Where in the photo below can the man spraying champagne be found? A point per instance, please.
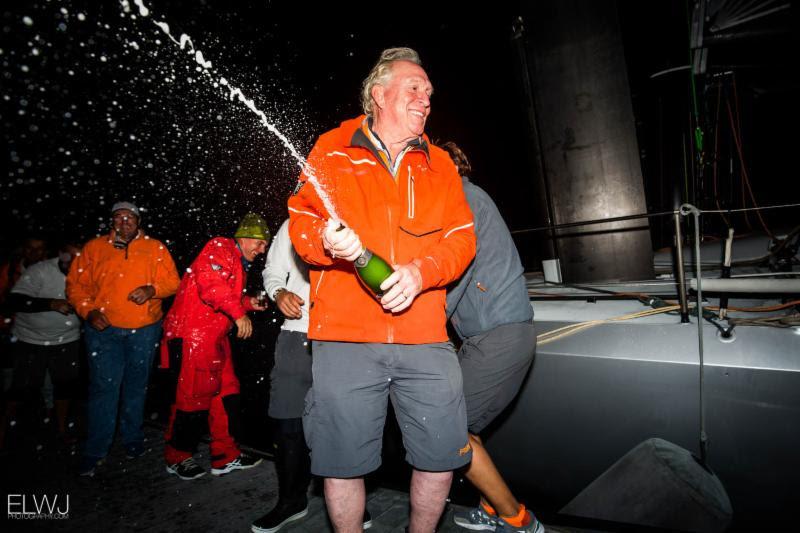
(403, 201)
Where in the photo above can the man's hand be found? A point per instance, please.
(289, 303)
(60, 306)
(141, 294)
(341, 241)
(257, 306)
(403, 286)
(97, 320)
(244, 326)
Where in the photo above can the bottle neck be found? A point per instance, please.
(363, 259)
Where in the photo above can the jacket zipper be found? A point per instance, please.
(411, 199)
(389, 326)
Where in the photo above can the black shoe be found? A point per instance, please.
(243, 462)
(186, 469)
(279, 517)
(367, 519)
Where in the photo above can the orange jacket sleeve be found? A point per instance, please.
(166, 276)
(80, 287)
(308, 215)
(445, 261)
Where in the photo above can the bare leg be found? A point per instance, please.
(429, 492)
(482, 473)
(346, 499)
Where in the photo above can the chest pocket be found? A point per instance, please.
(419, 232)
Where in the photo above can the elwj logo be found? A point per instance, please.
(37, 507)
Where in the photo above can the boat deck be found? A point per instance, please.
(138, 495)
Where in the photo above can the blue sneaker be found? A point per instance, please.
(534, 526)
(476, 519)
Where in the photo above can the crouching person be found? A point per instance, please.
(197, 351)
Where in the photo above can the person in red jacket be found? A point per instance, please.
(196, 350)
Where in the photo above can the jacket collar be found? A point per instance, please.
(364, 137)
(112, 235)
(245, 263)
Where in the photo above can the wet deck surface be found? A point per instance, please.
(138, 495)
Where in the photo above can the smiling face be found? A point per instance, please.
(403, 104)
(251, 248)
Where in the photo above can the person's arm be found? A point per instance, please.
(477, 202)
(23, 297)
(80, 287)
(166, 278)
(212, 269)
(278, 264)
(22, 303)
(444, 261)
(457, 291)
(307, 213)
(441, 262)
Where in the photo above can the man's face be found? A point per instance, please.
(125, 223)
(33, 251)
(252, 248)
(405, 101)
(67, 255)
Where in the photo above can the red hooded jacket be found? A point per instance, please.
(210, 296)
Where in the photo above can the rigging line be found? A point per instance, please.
(744, 209)
(686, 210)
(645, 215)
(736, 22)
(747, 9)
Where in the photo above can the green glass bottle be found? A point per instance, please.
(373, 270)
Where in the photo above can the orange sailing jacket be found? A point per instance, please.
(419, 213)
(102, 276)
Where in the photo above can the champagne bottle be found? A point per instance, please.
(373, 270)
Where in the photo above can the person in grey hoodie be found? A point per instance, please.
(490, 310)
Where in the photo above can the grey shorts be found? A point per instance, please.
(290, 378)
(346, 406)
(494, 365)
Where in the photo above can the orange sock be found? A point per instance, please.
(488, 508)
(522, 518)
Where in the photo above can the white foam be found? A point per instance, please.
(185, 41)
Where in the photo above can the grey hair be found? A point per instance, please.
(381, 73)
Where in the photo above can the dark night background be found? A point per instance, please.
(99, 106)
(94, 109)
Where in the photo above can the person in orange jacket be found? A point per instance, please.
(376, 182)
(197, 351)
(116, 285)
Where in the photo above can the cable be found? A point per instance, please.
(571, 329)
(767, 309)
(787, 321)
(738, 143)
(716, 154)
